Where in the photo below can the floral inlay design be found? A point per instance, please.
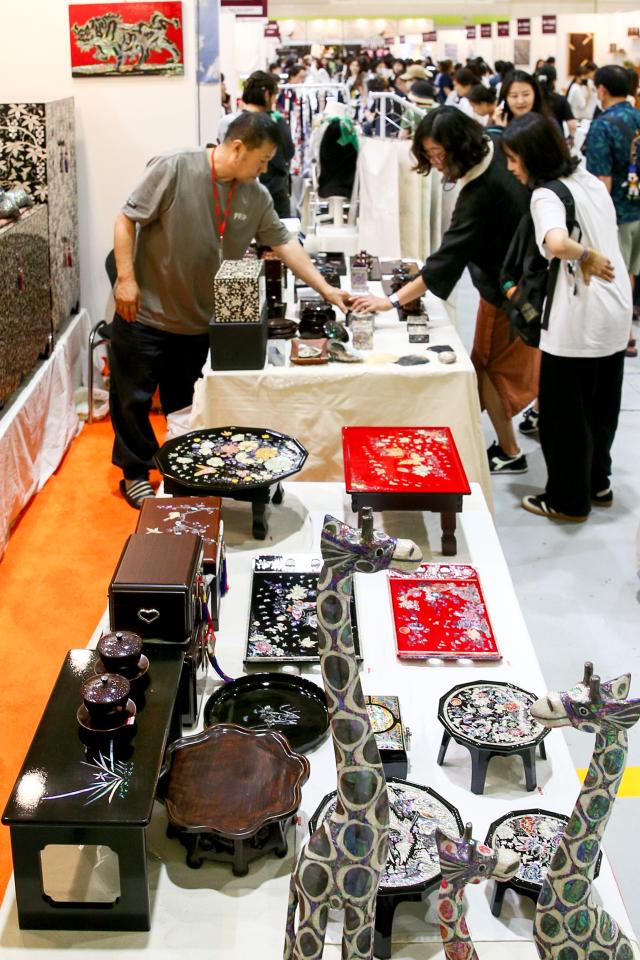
(492, 714)
(402, 460)
(533, 835)
(414, 814)
(283, 624)
(440, 612)
(231, 458)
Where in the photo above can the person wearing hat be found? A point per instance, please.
(422, 93)
(415, 72)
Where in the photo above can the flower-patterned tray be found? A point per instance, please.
(439, 611)
(230, 459)
(402, 460)
(534, 835)
(415, 812)
(283, 626)
(492, 715)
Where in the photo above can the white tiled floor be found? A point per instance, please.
(579, 589)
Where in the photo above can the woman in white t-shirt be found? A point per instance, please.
(583, 346)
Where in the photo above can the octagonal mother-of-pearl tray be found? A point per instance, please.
(230, 458)
(415, 812)
(490, 714)
(534, 835)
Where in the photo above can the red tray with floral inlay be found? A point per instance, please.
(402, 460)
(439, 611)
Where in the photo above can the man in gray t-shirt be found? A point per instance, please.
(191, 209)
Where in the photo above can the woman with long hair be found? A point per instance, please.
(584, 343)
(520, 93)
(488, 209)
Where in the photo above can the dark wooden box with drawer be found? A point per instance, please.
(180, 515)
(154, 589)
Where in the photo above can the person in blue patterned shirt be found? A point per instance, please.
(608, 154)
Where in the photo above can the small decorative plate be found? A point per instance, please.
(491, 714)
(230, 458)
(128, 719)
(293, 706)
(415, 812)
(535, 835)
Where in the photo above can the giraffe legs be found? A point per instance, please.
(312, 928)
(357, 931)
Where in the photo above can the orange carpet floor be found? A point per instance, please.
(53, 589)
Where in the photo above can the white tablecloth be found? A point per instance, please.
(38, 427)
(313, 403)
(209, 914)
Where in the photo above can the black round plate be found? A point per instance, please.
(291, 705)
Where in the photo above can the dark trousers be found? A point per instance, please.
(282, 203)
(143, 358)
(579, 407)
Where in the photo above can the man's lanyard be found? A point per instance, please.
(220, 223)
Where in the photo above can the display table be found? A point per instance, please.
(210, 914)
(313, 403)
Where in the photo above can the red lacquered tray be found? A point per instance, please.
(439, 611)
(402, 460)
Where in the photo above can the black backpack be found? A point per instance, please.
(528, 279)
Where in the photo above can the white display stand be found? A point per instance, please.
(37, 428)
(209, 914)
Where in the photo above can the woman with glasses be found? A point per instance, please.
(487, 213)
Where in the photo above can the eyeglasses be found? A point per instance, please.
(435, 154)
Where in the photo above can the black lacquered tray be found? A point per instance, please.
(230, 459)
(293, 706)
(491, 714)
(283, 623)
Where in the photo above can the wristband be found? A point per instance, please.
(394, 300)
(583, 256)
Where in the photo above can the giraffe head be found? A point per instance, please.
(364, 549)
(464, 860)
(589, 705)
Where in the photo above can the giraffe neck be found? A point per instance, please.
(454, 932)
(347, 703)
(582, 837)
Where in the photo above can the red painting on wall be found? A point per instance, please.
(124, 39)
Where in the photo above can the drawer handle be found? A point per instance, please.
(148, 616)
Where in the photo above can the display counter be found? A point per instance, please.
(209, 913)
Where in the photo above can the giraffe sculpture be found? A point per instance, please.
(341, 863)
(568, 924)
(462, 861)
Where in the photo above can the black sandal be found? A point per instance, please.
(137, 492)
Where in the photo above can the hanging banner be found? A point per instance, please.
(524, 27)
(272, 29)
(503, 28)
(485, 31)
(402, 39)
(430, 37)
(245, 8)
(549, 22)
(208, 41)
(471, 33)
